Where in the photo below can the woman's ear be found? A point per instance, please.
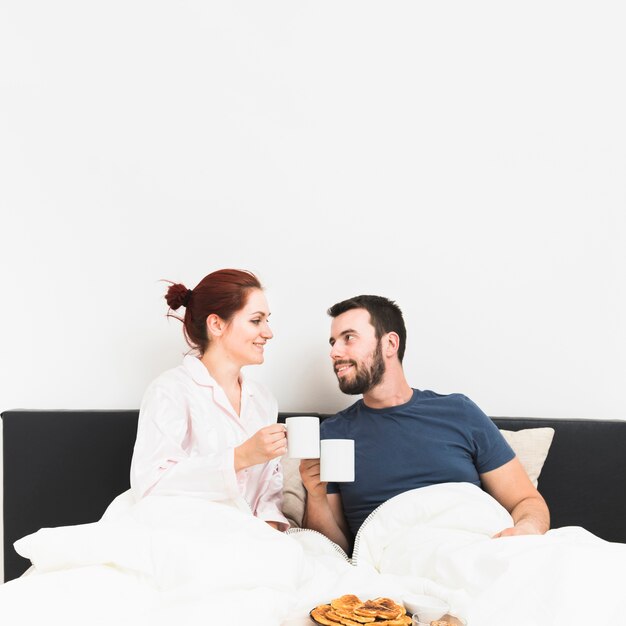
(215, 325)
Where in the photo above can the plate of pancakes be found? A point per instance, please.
(350, 610)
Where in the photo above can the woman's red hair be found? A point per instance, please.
(223, 292)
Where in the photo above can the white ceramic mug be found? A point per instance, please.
(303, 437)
(337, 460)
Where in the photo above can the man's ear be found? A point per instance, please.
(215, 325)
(391, 344)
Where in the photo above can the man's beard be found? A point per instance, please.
(364, 378)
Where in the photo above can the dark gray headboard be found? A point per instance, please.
(65, 467)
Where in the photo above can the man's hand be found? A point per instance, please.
(523, 527)
(310, 474)
(323, 513)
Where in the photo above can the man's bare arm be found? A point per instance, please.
(323, 512)
(511, 487)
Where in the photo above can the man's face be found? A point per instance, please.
(355, 351)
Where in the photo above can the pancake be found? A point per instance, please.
(385, 611)
(346, 603)
(332, 614)
(391, 605)
(319, 614)
(405, 620)
(354, 616)
(350, 610)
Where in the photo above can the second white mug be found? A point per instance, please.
(337, 460)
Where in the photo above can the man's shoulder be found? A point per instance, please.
(457, 404)
(430, 394)
(452, 398)
(341, 416)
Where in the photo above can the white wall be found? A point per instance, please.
(464, 158)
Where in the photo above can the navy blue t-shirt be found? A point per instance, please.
(431, 439)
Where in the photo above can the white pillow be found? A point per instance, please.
(293, 492)
(531, 446)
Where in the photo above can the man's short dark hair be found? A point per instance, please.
(385, 316)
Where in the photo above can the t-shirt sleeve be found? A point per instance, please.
(491, 449)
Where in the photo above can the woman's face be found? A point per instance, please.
(248, 331)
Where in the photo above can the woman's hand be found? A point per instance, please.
(266, 444)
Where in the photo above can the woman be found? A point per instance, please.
(204, 429)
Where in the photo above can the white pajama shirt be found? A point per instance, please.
(186, 437)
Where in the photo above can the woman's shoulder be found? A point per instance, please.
(170, 381)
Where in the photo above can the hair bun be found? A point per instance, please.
(177, 295)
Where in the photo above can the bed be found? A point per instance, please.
(64, 468)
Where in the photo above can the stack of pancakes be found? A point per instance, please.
(350, 610)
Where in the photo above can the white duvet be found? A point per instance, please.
(183, 560)
(443, 534)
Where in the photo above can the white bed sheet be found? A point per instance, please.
(180, 559)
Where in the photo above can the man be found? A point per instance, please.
(405, 438)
